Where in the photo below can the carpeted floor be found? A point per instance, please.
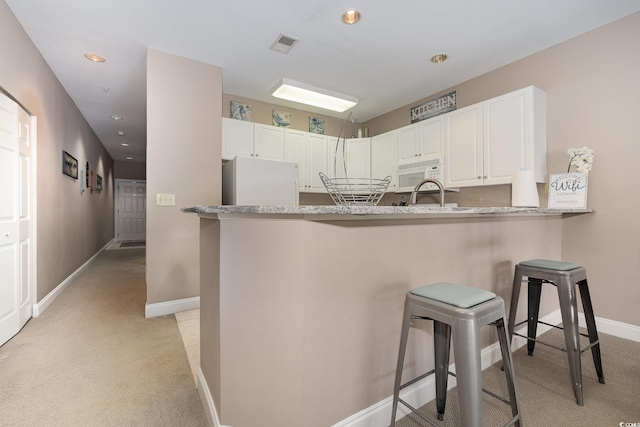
(92, 359)
(545, 392)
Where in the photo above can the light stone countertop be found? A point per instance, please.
(333, 212)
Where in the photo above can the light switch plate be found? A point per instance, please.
(165, 199)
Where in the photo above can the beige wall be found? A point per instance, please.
(262, 112)
(592, 88)
(130, 170)
(184, 140)
(592, 99)
(326, 302)
(72, 227)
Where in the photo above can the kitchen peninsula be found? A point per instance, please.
(301, 306)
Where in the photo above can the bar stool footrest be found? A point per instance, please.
(596, 342)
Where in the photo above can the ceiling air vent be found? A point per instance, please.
(284, 44)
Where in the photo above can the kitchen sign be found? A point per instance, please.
(435, 107)
(568, 190)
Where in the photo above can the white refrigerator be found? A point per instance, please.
(249, 181)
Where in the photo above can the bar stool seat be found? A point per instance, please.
(460, 311)
(563, 275)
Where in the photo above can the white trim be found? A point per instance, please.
(423, 391)
(613, 327)
(171, 307)
(44, 303)
(207, 401)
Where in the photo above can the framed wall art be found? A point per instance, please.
(98, 183)
(240, 111)
(69, 165)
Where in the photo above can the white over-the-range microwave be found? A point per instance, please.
(409, 175)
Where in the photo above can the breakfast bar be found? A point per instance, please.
(301, 306)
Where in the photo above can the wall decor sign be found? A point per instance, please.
(69, 165)
(240, 111)
(435, 107)
(316, 125)
(281, 118)
(568, 190)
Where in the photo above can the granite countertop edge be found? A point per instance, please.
(409, 211)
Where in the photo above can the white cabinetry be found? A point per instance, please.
(357, 152)
(268, 142)
(309, 150)
(421, 141)
(246, 139)
(383, 156)
(486, 143)
(237, 138)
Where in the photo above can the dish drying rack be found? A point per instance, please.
(352, 191)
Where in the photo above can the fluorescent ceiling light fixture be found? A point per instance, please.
(306, 94)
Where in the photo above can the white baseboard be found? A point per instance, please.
(171, 307)
(207, 401)
(44, 303)
(613, 327)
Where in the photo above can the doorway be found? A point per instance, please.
(17, 217)
(131, 210)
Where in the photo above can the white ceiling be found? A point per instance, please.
(383, 60)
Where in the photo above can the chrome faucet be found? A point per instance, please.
(414, 193)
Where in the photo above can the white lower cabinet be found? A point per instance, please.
(309, 150)
(486, 143)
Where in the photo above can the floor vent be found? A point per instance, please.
(284, 44)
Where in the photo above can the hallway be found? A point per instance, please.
(92, 359)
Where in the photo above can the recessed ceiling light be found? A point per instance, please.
(121, 133)
(114, 117)
(351, 16)
(106, 89)
(441, 57)
(94, 57)
(129, 158)
(124, 144)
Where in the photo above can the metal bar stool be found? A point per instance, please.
(564, 275)
(459, 311)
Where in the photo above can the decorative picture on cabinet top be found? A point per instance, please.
(240, 111)
(316, 125)
(281, 118)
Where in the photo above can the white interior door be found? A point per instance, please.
(16, 219)
(132, 210)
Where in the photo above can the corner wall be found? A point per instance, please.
(184, 140)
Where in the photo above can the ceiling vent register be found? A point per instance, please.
(284, 44)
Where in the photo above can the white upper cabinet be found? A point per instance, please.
(383, 156)
(421, 141)
(463, 147)
(310, 152)
(486, 143)
(246, 139)
(237, 138)
(432, 137)
(268, 142)
(356, 152)
(515, 135)
(409, 144)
